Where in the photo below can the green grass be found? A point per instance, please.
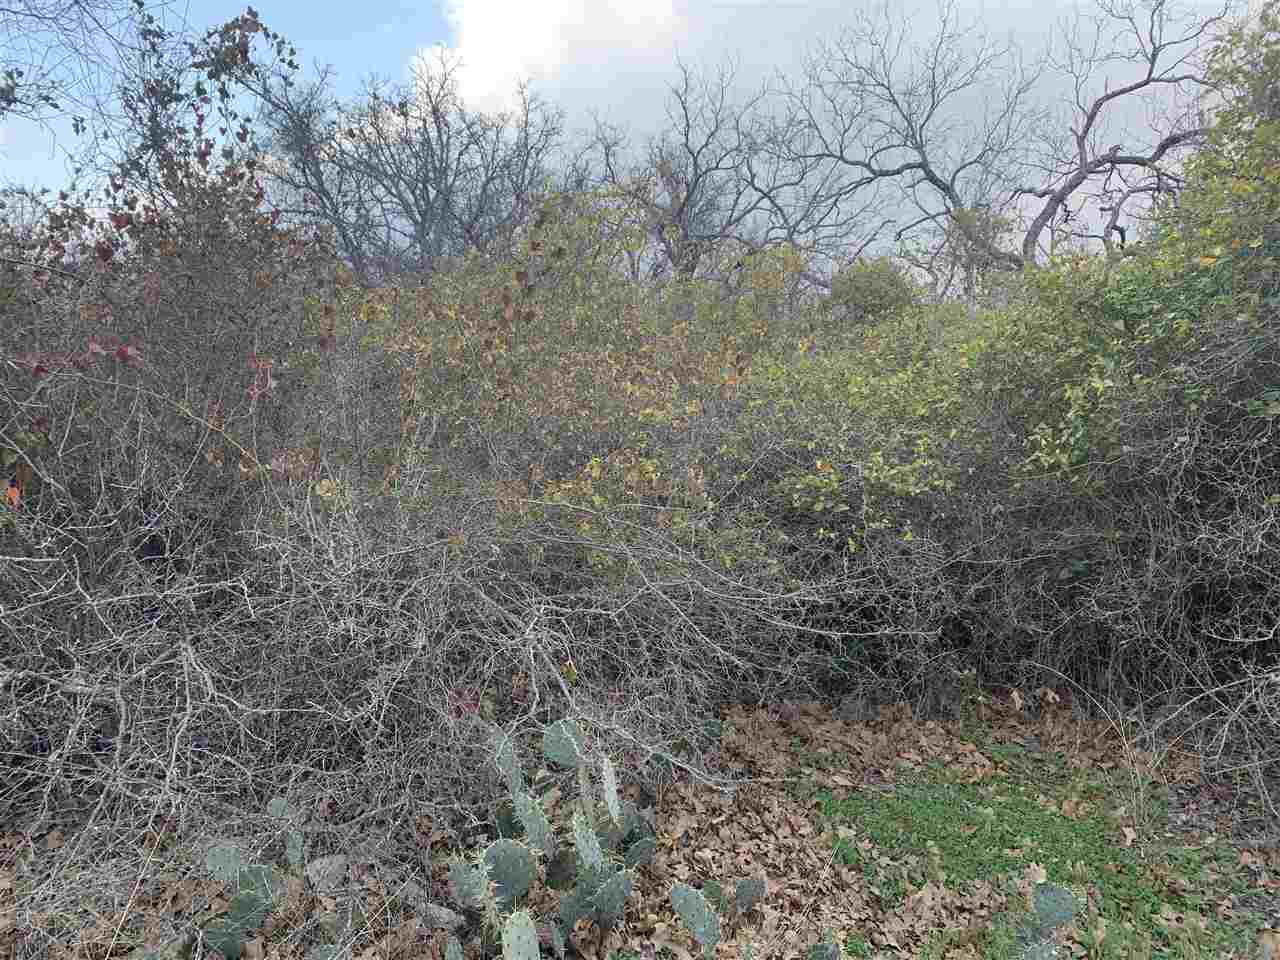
(1153, 898)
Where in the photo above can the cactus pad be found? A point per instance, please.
(823, 951)
(520, 937)
(511, 867)
(505, 759)
(611, 900)
(609, 787)
(697, 915)
(748, 892)
(469, 885)
(537, 828)
(641, 852)
(575, 905)
(587, 844)
(563, 743)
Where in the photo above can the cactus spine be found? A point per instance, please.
(519, 937)
(511, 867)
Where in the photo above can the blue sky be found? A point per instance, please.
(381, 36)
(375, 35)
(614, 57)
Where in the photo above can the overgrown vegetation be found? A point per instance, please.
(271, 533)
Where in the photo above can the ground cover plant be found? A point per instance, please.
(544, 608)
(1006, 831)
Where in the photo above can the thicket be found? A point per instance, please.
(267, 525)
(870, 290)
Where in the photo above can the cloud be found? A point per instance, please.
(501, 43)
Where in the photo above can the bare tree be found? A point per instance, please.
(408, 175)
(1159, 52)
(58, 55)
(70, 59)
(961, 259)
(706, 183)
(171, 102)
(959, 121)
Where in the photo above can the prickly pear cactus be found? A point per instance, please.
(470, 886)
(281, 810)
(826, 950)
(563, 744)
(587, 845)
(504, 756)
(586, 793)
(641, 852)
(519, 937)
(716, 896)
(612, 832)
(609, 786)
(693, 909)
(257, 889)
(562, 869)
(557, 941)
(576, 904)
(537, 828)
(610, 900)
(229, 932)
(600, 889)
(511, 867)
(225, 861)
(1054, 907)
(748, 892)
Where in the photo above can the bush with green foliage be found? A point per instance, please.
(867, 291)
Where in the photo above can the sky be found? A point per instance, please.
(616, 57)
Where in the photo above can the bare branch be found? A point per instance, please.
(711, 181)
(1166, 47)
(959, 121)
(408, 175)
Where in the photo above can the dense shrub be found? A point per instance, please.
(533, 488)
(866, 291)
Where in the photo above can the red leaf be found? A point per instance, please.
(37, 363)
